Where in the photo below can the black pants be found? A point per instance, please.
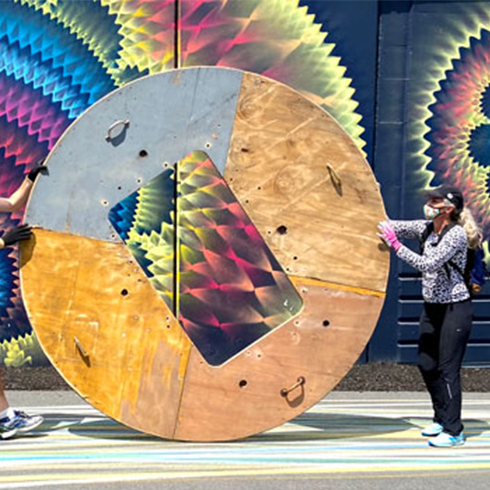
(444, 333)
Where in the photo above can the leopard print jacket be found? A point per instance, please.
(439, 284)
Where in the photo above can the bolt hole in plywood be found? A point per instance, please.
(143, 153)
(326, 323)
(124, 292)
(243, 383)
(195, 259)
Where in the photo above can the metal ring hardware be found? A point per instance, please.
(285, 391)
(114, 125)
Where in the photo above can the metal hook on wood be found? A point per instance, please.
(336, 180)
(82, 352)
(113, 126)
(285, 391)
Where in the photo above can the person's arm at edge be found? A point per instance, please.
(20, 196)
(17, 199)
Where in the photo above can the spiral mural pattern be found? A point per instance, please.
(459, 132)
(449, 121)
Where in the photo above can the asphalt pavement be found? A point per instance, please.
(350, 440)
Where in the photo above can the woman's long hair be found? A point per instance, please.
(473, 231)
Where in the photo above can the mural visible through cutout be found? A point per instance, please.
(209, 264)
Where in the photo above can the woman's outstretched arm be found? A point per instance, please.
(17, 199)
(409, 229)
(20, 196)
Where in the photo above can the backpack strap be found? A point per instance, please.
(425, 234)
(461, 272)
(449, 263)
(444, 231)
(429, 229)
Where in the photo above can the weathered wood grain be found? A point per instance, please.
(137, 353)
(285, 156)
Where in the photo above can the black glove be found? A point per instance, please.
(22, 232)
(39, 168)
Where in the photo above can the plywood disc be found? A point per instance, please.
(205, 263)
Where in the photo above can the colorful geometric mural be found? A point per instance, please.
(229, 290)
(145, 221)
(58, 57)
(276, 38)
(450, 112)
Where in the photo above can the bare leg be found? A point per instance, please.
(4, 404)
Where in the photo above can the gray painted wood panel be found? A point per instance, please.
(169, 114)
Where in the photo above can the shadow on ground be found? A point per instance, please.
(328, 427)
(97, 427)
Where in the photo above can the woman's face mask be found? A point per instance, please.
(430, 213)
(437, 206)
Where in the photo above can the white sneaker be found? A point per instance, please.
(447, 440)
(20, 422)
(432, 430)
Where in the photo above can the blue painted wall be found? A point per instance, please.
(432, 85)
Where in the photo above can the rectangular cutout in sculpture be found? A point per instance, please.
(231, 291)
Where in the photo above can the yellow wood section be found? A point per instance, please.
(243, 397)
(132, 354)
(306, 187)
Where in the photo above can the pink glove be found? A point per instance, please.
(388, 235)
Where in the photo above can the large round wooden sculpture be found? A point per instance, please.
(205, 263)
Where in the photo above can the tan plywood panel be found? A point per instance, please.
(306, 186)
(244, 397)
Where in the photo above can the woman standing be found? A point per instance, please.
(13, 421)
(445, 324)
